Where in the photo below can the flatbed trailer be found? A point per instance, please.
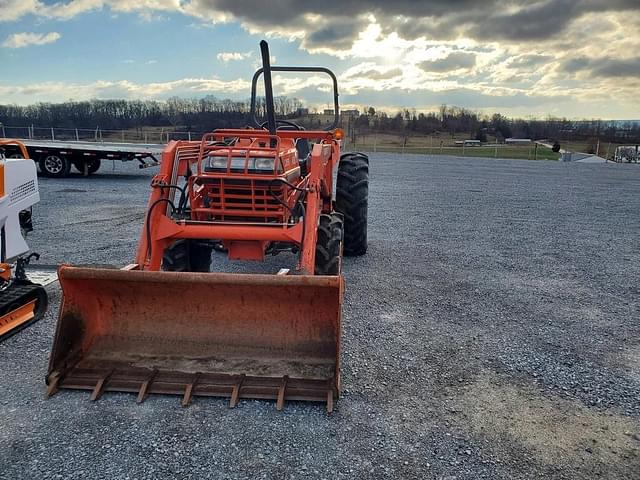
(55, 158)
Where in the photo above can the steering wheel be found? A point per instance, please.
(283, 122)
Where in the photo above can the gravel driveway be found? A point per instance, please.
(492, 331)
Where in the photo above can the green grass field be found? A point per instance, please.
(445, 145)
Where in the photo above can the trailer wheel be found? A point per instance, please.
(54, 166)
(329, 245)
(187, 256)
(352, 197)
(92, 165)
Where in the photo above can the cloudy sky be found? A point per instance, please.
(577, 58)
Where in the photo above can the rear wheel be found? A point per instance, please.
(329, 245)
(352, 198)
(54, 166)
(187, 256)
(92, 165)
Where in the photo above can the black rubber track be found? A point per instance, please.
(352, 197)
(187, 256)
(329, 245)
(18, 295)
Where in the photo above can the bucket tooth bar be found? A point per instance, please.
(143, 381)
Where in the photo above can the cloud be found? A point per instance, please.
(12, 10)
(528, 61)
(453, 61)
(102, 89)
(616, 67)
(575, 64)
(604, 67)
(232, 56)
(21, 40)
(471, 98)
(380, 75)
(335, 23)
(529, 49)
(538, 20)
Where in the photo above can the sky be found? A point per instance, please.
(574, 59)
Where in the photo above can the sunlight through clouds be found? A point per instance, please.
(583, 51)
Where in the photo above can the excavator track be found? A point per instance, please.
(21, 305)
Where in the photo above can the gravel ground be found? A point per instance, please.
(490, 332)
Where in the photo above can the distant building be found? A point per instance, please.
(517, 141)
(469, 143)
(329, 111)
(353, 113)
(301, 112)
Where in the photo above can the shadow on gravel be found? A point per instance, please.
(548, 434)
(95, 178)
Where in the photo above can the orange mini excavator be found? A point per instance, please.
(169, 325)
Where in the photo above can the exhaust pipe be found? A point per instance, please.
(268, 89)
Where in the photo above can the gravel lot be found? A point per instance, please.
(492, 331)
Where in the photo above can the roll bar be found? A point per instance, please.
(267, 69)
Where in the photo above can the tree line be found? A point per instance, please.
(208, 113)
(453, 120)
(187, 114)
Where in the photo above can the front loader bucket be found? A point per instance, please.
(206, 334)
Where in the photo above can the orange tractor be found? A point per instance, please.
(166, 324)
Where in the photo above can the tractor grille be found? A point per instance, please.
(245, 199)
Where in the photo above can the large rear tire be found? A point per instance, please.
(329, 245)
(352, 199)
(187, 256)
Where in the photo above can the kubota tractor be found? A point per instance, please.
(166, 324)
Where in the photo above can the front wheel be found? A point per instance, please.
(187, 256)
(329, 245)
(54, 166)
(352, 199)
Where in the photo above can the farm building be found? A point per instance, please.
(517, 141)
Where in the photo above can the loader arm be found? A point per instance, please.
(169, 324)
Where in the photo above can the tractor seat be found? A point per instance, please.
(304, 150)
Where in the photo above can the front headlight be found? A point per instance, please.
(237, 163)
(264, 163)
(218, 163)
